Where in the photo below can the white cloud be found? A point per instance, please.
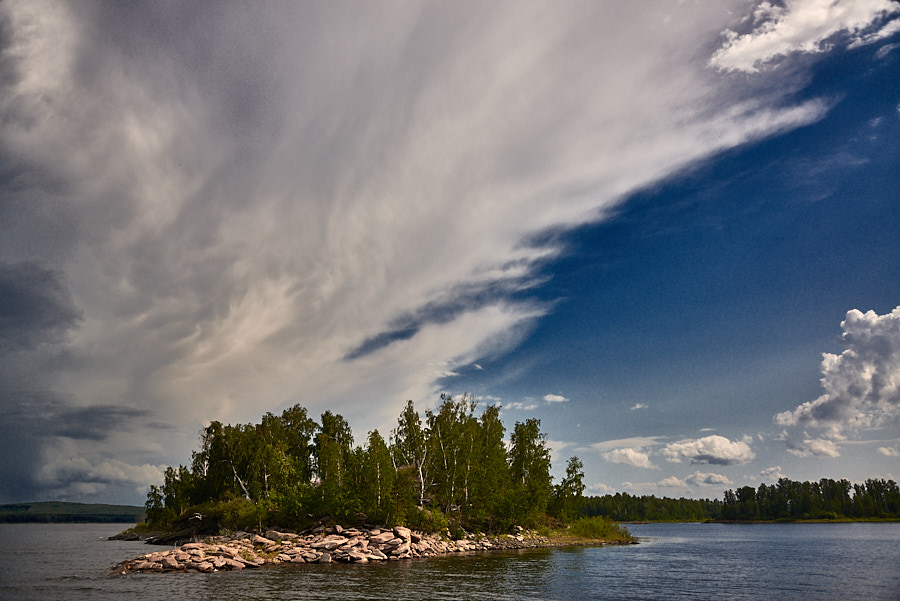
(772, 474)
(634, 442)
(601, 489)
(516, 406)
(671, 482)
(889, 451)
(862, 384)
(637, 406)
(814, 447)
(802, 26)
(555, 398)
(702, 479)
(885, 50)
(632, 457)
(716, 450)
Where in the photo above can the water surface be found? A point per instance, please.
(818, 562)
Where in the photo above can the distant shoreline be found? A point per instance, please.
(60, 512)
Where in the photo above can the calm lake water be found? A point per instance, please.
(674, 561)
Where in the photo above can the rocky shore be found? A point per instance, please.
(352, 545)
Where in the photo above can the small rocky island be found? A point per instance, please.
(333, 544)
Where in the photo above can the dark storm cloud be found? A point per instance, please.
(36, 306)
(47, 414)
(33, 421)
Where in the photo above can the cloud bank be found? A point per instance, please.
(213, 214)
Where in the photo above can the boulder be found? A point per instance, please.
(332, 541)
(189, 546)
(381, 538)
(276, 535)
(205, 566)
(401, 532)
(262, 540)
(324, 558)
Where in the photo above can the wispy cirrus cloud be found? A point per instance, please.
(324, 204)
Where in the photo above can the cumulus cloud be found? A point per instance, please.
(555, 398)
(805, 26)
(862, 384)
(814, 447)
(772, 474)
(601, 489)
(716, 450)
(632, 457)
(517, 406)
(702, 479)
(889, 451)
(637, 406)
(671, 482)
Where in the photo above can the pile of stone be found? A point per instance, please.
(351, 545)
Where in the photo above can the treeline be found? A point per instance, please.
(622, 507)
(448, 468)
(786, 500)
(825, 499)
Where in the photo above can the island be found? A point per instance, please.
(293, 489)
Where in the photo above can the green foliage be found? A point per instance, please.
(624, 507)
(598, 528)
(826, 499)
(567, 498)
(451, 469)
(237, 514)
(786, 500)
(428, 520)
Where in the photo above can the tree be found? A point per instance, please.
(409, 445)
(568, 493)
(377, 478)
(452, 434)
(334, 445)
(529, 462)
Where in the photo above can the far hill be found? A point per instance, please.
(60, 512)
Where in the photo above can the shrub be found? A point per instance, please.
(599, 528)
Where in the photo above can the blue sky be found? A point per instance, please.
(668, 231)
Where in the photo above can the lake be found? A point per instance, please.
(674, 561)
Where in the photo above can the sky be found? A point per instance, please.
(666, 229)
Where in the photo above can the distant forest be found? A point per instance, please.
(786, 501)
(450, 468)
(61, 512)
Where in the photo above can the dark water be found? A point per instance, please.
(785, 562)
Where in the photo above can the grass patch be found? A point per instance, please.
(597, 528)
